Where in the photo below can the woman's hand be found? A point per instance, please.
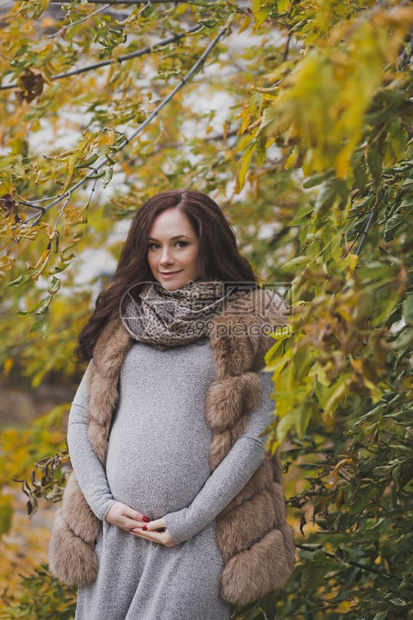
(126, 518)
(150, 533)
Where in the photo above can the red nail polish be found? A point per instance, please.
(144, 527)
(145, 519)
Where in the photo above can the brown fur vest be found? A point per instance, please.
(252, 533)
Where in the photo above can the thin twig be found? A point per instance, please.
(62, 210)
(105, 63)
(177, 145)
(287, 46)
(16, 240)
(37, 218)
(349, 561)
(64, 29)
(197, 2)
(22, 202)
(406, 58)
(201, 3)
(364, 231)
(359, 213)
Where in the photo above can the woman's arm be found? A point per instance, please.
(231, 475)
(88, 469)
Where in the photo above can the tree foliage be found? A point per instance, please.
(104, 106)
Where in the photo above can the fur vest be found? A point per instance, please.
(252, 533)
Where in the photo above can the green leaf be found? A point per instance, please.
(331, 189)
(43, 307)
(245, 162)
(6, 513)
(316, 179)
(394, 222)
(260, 9)
(314, 573)
(108, 176)
(20, 280)
(282, 5)
(54, 285)
(361, 501)
(303, 420)
(408, 309)
(301, 216)
(294, 262)
(88, 162)
(374, 162)
(398, 602)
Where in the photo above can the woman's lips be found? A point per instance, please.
(169, 274)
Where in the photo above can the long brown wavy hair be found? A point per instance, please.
(218, 256)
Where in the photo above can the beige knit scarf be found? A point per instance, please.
(163, 318)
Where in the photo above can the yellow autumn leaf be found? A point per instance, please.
(47, 22)
(7, 366)
(245, 162)
(245, 23)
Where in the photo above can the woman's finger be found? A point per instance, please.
(153, 536)
(155, 525)
(152, 532)
(134, 514)
(133, 523)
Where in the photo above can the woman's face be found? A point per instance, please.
(173, 248)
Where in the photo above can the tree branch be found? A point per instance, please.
(350, 561)
(204, 3)
(105, 63)
(64, 29)
(364, 231)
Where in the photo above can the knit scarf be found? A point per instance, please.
(153, 314)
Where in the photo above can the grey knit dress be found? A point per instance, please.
(157, 463)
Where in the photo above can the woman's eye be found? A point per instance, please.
(153, 244)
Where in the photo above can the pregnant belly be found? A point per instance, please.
(154, 475)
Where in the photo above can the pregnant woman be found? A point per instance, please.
(173, 510)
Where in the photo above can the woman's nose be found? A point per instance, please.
(165, 257)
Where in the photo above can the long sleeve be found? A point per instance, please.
(230, 476)
(88, 469)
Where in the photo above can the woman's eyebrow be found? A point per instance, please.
(172, 238)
